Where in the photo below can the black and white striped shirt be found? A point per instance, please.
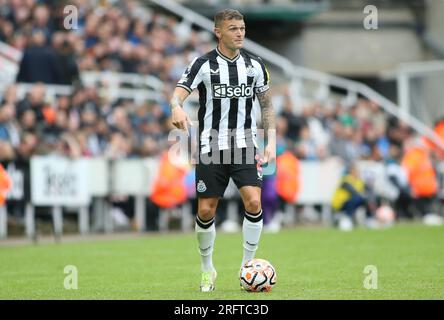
(227, 89)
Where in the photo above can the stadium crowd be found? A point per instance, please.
(111, 39)
(131, 40)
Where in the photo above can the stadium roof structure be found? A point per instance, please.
(298, 11)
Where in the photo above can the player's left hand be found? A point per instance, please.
(269, 154)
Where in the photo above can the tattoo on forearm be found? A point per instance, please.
(175, 102)
(268, 116)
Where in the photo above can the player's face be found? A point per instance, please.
(231, 34)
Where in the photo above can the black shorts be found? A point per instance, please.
(214, 170)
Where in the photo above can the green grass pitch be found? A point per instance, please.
(311, 263)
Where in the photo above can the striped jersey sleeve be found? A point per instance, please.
(263, 79)
(191, 78)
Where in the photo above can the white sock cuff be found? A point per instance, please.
(204, 224)
(210, 228)
(253, 217)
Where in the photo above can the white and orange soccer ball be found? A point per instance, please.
(385, 215)
(257, 275)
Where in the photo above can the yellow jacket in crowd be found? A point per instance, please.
(344, 192)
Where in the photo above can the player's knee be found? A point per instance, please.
(206, 213)
(253, 205)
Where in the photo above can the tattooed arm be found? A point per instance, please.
(179, 117)
(269, 125)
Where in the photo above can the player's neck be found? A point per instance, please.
(228, 52)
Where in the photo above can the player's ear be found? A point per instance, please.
(217, 32)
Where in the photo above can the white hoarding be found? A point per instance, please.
(58, 181)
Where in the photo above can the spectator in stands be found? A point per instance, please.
(35, 101)
(399, 189)
(93, 124)
(376, 143)
(120, 120)
(70, 72)
(128, 61)
(119, 146)
(313, 113)
(295, 123)
(40, 62)
(169, 189)
(137, 33)
(349, 196)
(27, 146)
(6, 151)
(269, 196)
(421, 175)
(53, 131)
(439, 131)
(339, 141)
(10, 95)
(397, 131)
(376, 117)
(356, 149)
(100, 136)
(19, 41)
(42, 21)
(68, 146)
(306, 147)
(9, 128)
(18, 13)
(5, 185)
(6, 30)
(28, 121)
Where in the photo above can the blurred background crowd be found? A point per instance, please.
(128, 39)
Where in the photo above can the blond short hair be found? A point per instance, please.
(227, 14)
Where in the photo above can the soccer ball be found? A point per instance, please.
(257, 275)
(385, 215)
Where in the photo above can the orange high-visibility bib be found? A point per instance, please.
(420, 171)
(439, 130)
(287, 176)
(169, 188)
(5, 185)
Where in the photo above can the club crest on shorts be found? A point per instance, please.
(259, 171)
(259, 175)
(201, 187)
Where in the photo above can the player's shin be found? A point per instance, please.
(206, 235)
(252, 229)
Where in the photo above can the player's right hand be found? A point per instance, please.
(180, 119)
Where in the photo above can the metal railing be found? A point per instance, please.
(145, 87)
(407, 70)
(294, 72)
(53, 90)
(119, 78)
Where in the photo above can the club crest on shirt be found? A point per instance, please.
(251, 72)
(201, 187)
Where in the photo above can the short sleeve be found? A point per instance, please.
(263, 79)
(192, 76)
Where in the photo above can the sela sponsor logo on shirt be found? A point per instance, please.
(201, 187)
(224, 91)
